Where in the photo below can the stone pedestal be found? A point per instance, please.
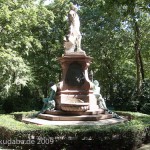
(75, 86)
(74, 99)
(74, 96)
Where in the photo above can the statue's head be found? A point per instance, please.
(96, 83)
(73, 7)
(51, 84)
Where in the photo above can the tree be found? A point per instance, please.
(115, 33)
(135, 12)
(20, 43)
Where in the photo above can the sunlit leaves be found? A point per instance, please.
(24, 29)
(14, 71)
(108, 36)
(33, 33)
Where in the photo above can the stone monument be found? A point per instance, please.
(75, 98)
(75, 88)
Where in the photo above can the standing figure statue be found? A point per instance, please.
(73, 39)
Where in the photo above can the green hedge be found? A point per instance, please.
(146, 108)
(124, 136)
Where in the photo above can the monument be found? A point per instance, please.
(74, 98)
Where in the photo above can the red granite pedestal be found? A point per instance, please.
(75, 100)
(89, 115)
(68, 91)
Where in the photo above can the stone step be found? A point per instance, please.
(38, 121)
(75, 118)
(79, 113)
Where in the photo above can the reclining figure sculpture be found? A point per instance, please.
(49, 102)
(101, 101)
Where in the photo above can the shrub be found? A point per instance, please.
(132, 106)
(146, 108)
(127, 135)
(125, 96)
(17, 103)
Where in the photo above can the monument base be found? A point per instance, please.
(56, 115)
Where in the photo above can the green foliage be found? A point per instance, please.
(45, 63)
(32, 39)
(109, 37)
(142, 118)
(127, 135)
(26, 30)
(15, 103)
(23, 101)
(14, 72)
(145, 96)
(146, 108)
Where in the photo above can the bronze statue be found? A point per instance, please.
(101, 101)
(49, 102)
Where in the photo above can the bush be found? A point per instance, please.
(18, 103)
(132, 106)
(125, 96)
(146, 108)
(129, 135)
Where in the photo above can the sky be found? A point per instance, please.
(48, 2)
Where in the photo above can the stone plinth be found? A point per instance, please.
(75, 107)
(75, 118)
(75, 113)
(75, 82)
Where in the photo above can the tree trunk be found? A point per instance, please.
(139, 63)
(142, 68)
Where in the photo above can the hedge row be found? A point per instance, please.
(124, 136)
